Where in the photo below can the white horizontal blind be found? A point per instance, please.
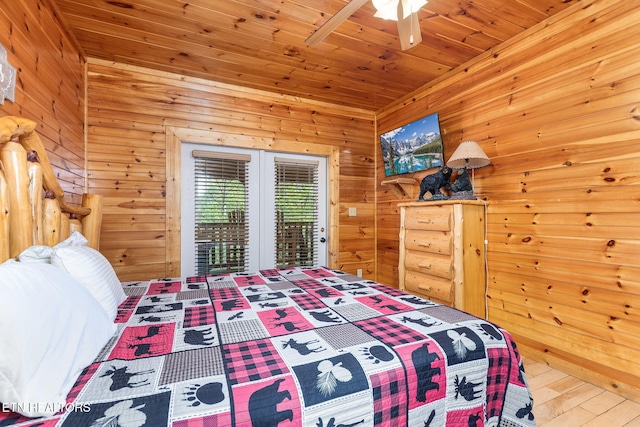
(296, 213)
(221, 212)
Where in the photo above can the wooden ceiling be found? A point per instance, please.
(260, 44)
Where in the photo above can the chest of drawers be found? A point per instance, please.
(442, 253)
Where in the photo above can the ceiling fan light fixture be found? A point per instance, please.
(388, 9)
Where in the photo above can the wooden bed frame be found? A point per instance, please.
(33, 210)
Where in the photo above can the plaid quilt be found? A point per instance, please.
(309, 347)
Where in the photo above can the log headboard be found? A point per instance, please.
(33, 209)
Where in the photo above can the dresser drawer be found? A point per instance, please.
(428, 218)
(433, 242)
(429, 287)
(442, 250)
(430, 264)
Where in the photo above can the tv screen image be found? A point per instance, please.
(414, 147)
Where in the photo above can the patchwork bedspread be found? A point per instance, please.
(295, 347)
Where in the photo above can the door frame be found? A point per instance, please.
(175, 136)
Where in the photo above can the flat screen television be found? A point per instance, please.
(414, 147)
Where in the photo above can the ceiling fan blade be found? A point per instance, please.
(333, 22)
(408, 28)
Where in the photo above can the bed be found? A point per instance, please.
(302, 346)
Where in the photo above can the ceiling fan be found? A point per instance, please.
(403, 11)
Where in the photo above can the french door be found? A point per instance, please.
(244, 210)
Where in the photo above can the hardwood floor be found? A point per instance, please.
(561, 400)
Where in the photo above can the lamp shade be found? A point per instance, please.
(468, 155)
(388, 9)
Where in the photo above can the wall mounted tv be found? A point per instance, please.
(414, 147)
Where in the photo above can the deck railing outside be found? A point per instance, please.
(222, 247)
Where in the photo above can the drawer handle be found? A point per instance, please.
(424, 221)
(425, 245)
(425, 266)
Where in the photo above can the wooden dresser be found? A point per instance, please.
(442, 252)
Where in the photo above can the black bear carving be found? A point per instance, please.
(434, 182)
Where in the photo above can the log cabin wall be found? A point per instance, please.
(50, 86)
(557, 112)
(138, 117)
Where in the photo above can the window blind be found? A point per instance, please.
(221, 212)
(296, 208)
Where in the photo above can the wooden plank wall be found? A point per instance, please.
(50, 86)
(135, 113)
(557, 111)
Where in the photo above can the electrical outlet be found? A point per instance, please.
(359, 272)
(352, 211)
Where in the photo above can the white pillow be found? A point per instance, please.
(52, 328)
(36, 254)
(75, 239)
(41, 253)
(92, 269)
